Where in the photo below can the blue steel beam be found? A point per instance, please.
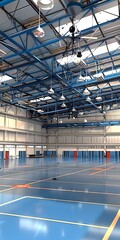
(41, 45)
(92, 4)
(28, 51)
(44, 64)
(80, 107)
(93, 82)
(51, 22)
(38, 60)
(109, 78)
(88, 124)
(29, 30)
(45, 58)
(5, 2)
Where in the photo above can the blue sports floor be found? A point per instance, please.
(55, 199)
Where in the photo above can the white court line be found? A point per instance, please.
(53, 220)
(12, 201)
(73, 201)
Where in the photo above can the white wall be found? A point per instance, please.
(86, 137)
(16, 130)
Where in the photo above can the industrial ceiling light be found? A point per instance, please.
(40, 111)
(81, 113)
(73, 109)
(45, 4)
(63, 105)
(88, 99)
(98, 98)
(80, 78)
(85, 120)
(79, 54)
(39, 32)
(2, 53)
(108, 107)
(86, 91)
(51, 91)
(62, 98)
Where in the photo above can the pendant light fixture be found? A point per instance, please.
(39, 32)
(85, 120)
(73, 109)
(63, 105)
(86, 92)
(62, 98)
(98, 98)
(51, 90)
(88, 99)
(45, 5)
(80, 78)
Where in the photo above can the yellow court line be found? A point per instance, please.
(34, 170)
(4, 185)
(63, 175)
(53, 220)
(106, 169)
(112, 226)
(75, 191)
(17, 179)
(26, 172)
(73, 201)
(106, 164)
(5, 190)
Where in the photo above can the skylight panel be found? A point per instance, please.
(107, 15)
(86, 54)
(86, 22)
(45, 98)
(4, 78)
(40, 99)
(114, 71)
(89, 21)
(113, 46)
(109, 72)
(99, 50)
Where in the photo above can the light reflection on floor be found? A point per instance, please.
(66, 199)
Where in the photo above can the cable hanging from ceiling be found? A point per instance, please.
(39, 32)
(51, 90)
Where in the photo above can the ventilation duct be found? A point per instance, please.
(73, 7)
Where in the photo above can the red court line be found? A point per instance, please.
(105, 169)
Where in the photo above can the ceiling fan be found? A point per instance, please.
(75, 35)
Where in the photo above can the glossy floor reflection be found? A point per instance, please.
(55, 198)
